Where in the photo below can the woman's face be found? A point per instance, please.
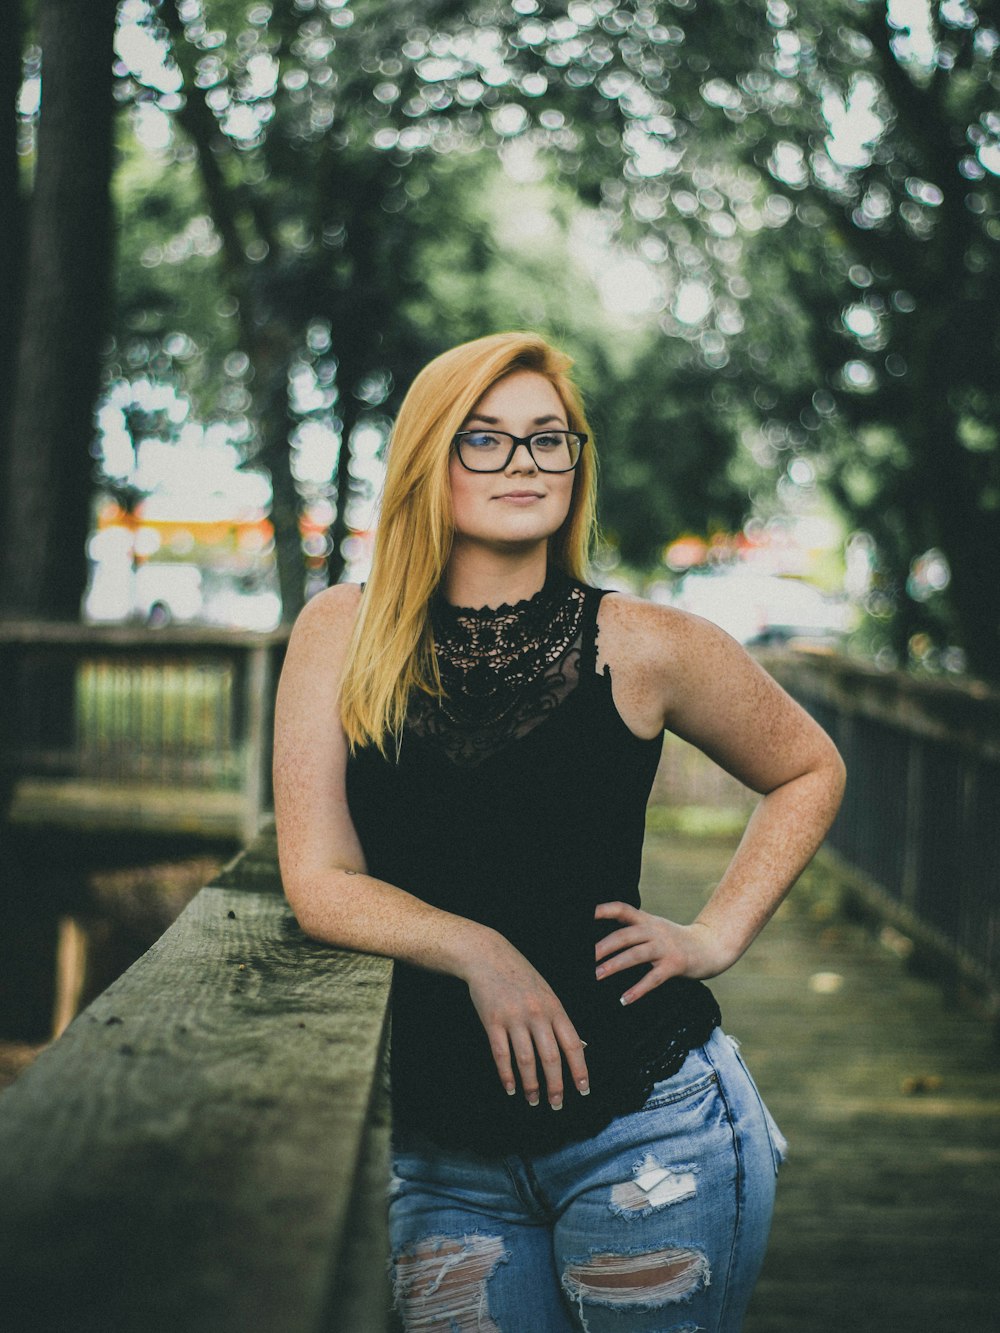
(520, 505)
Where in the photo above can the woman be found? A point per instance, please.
(464, 750)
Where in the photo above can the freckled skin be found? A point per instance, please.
(669, 669)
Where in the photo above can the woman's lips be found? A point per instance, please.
(519, 497)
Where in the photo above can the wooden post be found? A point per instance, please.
(910, 887)
(257, 712)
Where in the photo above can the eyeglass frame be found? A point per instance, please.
(517, 440)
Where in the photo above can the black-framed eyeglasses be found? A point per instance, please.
(492, 450)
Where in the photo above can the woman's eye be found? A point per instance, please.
(481, 439)
(552, 441)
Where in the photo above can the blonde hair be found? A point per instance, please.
(391, 650)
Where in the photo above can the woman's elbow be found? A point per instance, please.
(836, 771)
(313, 909)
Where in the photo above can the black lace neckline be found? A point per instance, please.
(445, 613)
(503, 669)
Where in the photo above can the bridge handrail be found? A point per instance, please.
(101, 704)
(962, 712)
(206, 1146)
(920, 823)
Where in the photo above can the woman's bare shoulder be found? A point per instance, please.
(657, 657)
(649, 631)
(331, 611)
(333, 603)
(322, 630)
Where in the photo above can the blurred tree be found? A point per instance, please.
(674, 437)
(316, 129)
(880, 126)
(66, 262)
(810, 198)
(55, 277)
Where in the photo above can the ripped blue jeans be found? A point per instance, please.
(658, 1224)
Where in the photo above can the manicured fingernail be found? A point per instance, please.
(599, 973)
(625, 1000)
(510, 1089)
(556, 1104)
(533, 1101)
(584, 1087)
(584, 1043)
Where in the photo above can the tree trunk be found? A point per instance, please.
(12, 266)
(55, 369)
(339, 530)
(271, 403)
(65, 313)
(264, 335)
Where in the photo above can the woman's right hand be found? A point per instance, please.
(522, 1015)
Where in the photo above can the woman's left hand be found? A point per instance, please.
(670, 950)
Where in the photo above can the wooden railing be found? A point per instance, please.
(126, 726)
(206, 1147)
(919, 828)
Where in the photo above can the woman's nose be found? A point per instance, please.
(521, 460)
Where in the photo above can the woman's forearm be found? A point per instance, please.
(522, 1017)
(782, 836)
(353, 910)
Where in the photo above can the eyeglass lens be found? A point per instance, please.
(491, 450)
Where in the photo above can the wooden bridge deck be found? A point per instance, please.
(889, 1094)
(192, 1155)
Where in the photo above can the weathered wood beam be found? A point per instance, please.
(196, 1151)
(964, 713)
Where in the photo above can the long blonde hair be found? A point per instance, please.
(391, 650)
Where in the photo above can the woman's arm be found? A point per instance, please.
(334, 898)
(683, 673)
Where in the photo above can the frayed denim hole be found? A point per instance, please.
(644, 1280)
(653, 1186)
(441, 1281)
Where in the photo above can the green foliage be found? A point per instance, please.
(891, 257)
(813, 195)
(172, 320)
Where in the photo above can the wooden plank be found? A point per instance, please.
(72, 635)
(254, 870)
(77, 803)
(886, 1214)
(361, 1301)
(962, 713)
(184, 1157)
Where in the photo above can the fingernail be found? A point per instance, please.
(584, 1087)
(556, 1104)
(511, 1090)
(584, 1043)
(624, 1000)
(533, 1101)
(599, 973)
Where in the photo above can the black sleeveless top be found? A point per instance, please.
(519, 801)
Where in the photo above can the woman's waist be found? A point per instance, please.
(527, 900)
(444, 1080)
(432, 1007)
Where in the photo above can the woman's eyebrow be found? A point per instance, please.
(495, 421)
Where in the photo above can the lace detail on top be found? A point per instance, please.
(660, 1051)
(503, 669)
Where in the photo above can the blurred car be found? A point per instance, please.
(760, 608)
(168, 594)
(239, 607)
(158, 594)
